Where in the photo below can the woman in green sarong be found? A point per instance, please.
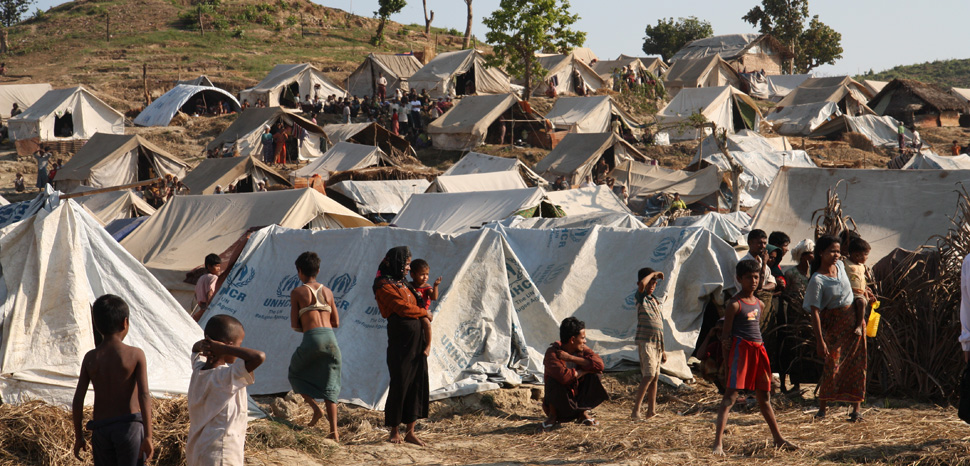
(315, 366)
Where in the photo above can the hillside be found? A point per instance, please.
(242, 41)
(946, 73)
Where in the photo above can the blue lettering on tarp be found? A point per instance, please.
(273, 302)
(340, 285)
(547, 273)
(471, 337)
(287, 284)
(664, 250)
(449, 347)
(523, 286)
(244, 276)
(372, 311)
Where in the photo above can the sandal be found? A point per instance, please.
(547, 427)
(855, 416)
(591, 422)
(819, 416)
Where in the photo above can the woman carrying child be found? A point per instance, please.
(829, 297)
(315, 366)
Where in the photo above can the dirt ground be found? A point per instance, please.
(502, 428)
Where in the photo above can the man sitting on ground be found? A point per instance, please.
(572, 377)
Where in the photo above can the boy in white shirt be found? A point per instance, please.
(218, 408)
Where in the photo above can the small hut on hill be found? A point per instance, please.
(918, 104)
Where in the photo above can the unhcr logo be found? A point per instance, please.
(288, 284)
(244, 276)
(341, 285)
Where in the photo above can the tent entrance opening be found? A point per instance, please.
(64, 125)
(465, 82)
(146, 171)
(290, 94)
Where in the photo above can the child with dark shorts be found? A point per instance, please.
(420, 272)
(121, 428)
(748, 364)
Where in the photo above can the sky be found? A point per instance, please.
(876, 34)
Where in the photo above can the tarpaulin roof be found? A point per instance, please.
(830, 89)
(345, 156)
(202, 80)
(710, 71)
(562, 69)
(24, 95)
(494, 181)
(654, 63)
(577, 153)
(728, 46)
(587, 114)
(113, 160)
(397, 69)
(466, 124)
(801, 120)
(717, 104)
(487, 334)
(731, 227)
(874, 86)
(892, 208)
(372, 134)
(309, 79)
(177, 238)
(603, 219)
(379, 197)
(113, 205)
(438, 76)
(589, 200)
(475, 162)
(924, 161)
(760, 168)
(47, 326)
(90, 115)
(457, 213)
(962, 94)
(646, 180)
(882, 131)
(164, 108)
(243, 135)
(780, 85)
(225, 171)
(745, 140)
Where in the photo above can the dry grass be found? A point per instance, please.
(502, 427)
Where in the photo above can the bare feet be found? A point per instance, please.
(860, 330)
(317, 414)
(785, 445)
(335, 436)
(718, 451)
(395, 437)
(411, 438)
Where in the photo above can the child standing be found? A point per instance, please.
(18, 183)
(121, 431)
(859, 274)
(748, 365)
(221, 370)
(205, 288)
(650, 340)
(420, 271)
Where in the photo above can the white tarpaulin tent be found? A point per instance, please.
(892, 208)
(466, 125)
(244, 172)
(962, 94)
(780, 85)
(242, 137)
(587, 114)
(64, 114)
(725, 106)
(396, 69)
(345, 156)
(927, 161)
(732, 228)
(451, 73)
(110, 206)
(590, 200)
(164, 108)
(760, 169)
(562, 71)
(642, 180)
(744, 141)
(578, 153)
(457, 213)
(278, 87)
(24, 95)
(495, 181)
(47, 325)
(372, 134)
(379, 197)
(603, 219)
(108, 160)
(177, 238)
(882, 131)
(483, 334)
(690, 73)
(474, 162)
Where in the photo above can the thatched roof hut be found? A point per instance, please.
(918, 104)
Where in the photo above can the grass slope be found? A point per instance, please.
(945, 73)
(242, 41)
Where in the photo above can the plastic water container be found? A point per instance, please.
(873, 326)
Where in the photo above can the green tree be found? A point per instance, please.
(670, 35)
(811, 46)
(519, 29)
(385, 10)
(12, 10)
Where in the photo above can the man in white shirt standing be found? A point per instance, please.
(382, 87)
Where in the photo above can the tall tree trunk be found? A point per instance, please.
(528, 78)
(379, 37)
(468, 27)
(427, 19)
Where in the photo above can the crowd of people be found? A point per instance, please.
(831, 291)
(158, 193)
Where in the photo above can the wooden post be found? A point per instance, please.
(144, 81)
(107, 27)
(201, 26)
